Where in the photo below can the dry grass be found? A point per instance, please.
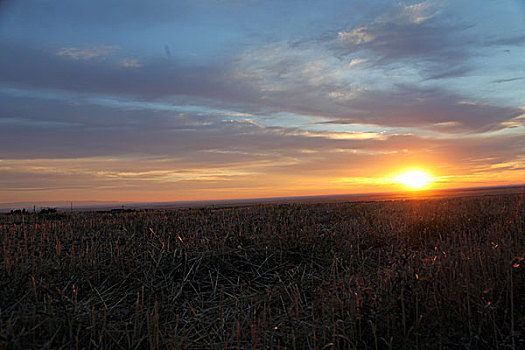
(431, 274)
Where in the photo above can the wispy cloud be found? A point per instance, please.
(414, 34)
(131, 63)
(85, 54)
(417, 13)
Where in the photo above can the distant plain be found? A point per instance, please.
(440, 272)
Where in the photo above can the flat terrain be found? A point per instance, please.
(83, 206)
(435, 273)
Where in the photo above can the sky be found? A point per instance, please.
(217, 99)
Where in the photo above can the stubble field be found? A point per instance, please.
(430, 274)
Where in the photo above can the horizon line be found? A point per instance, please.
(95, 204)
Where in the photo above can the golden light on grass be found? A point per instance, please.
(414, 179)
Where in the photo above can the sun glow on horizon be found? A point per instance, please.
(414, 179)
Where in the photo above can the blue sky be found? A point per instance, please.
(202, 99)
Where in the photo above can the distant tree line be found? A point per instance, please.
(116, 211)
(43, 211)
(19, 211)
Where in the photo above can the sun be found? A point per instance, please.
(414, 179)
